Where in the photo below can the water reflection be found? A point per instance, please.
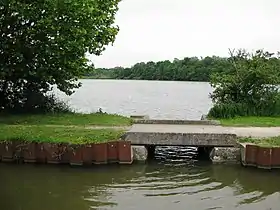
(153, 186)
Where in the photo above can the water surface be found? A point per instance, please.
(193, 185)
(158, 99)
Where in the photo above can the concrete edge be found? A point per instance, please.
(141, 117)
(176, 139)
(177, 133)
(177, 122)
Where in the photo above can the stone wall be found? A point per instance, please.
(225, 155)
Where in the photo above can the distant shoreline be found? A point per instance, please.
(186, 69)
(132, 79)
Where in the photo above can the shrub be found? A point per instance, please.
(231, 110)
(250, 88)
(39, 103)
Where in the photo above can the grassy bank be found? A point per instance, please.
(66, 119)
(267, 142)
(251, 121)
(71, 128)
(41, 133)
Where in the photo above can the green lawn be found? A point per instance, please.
(69, 128)
(252, 121)
(272, 141)
(41, 133)
(66, 119)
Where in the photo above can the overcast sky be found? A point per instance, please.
(167, 29)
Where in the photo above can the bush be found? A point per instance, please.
(250, 88)
(39, 103)
(51, 104)
(231, 110)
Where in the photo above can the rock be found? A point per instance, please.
(139, 153)
(225, 155)
(204, 117)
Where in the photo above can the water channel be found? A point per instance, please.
(169, 185)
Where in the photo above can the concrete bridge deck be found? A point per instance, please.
(194, 135)
(181, 135)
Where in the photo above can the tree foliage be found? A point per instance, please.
(44, 42)
(250, 88)
(187, 69)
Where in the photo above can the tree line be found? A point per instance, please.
(187, 69)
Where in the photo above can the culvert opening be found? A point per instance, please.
(180, 153)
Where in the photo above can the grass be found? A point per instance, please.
(265, 142)
(41, 133)
(59, 128)
(66, 119)
(251, 121)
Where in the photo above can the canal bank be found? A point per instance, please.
(64, 138)
(137, 143)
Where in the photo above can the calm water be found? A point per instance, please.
(153, 186)
(175, 180)
(158, 99)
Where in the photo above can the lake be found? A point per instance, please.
(174, 180)
(158, 99)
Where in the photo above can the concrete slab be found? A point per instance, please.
(256, 132)
(177, 122)
(171, 128)
(176, 135)
(194, 135)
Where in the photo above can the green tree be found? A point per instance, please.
(44, 43)
(253, 78)
(187, 69)
(250, 87)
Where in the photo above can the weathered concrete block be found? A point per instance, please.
(225, 155)
(139, 153)
(179, 139)
(177, 122)
(140, 117)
